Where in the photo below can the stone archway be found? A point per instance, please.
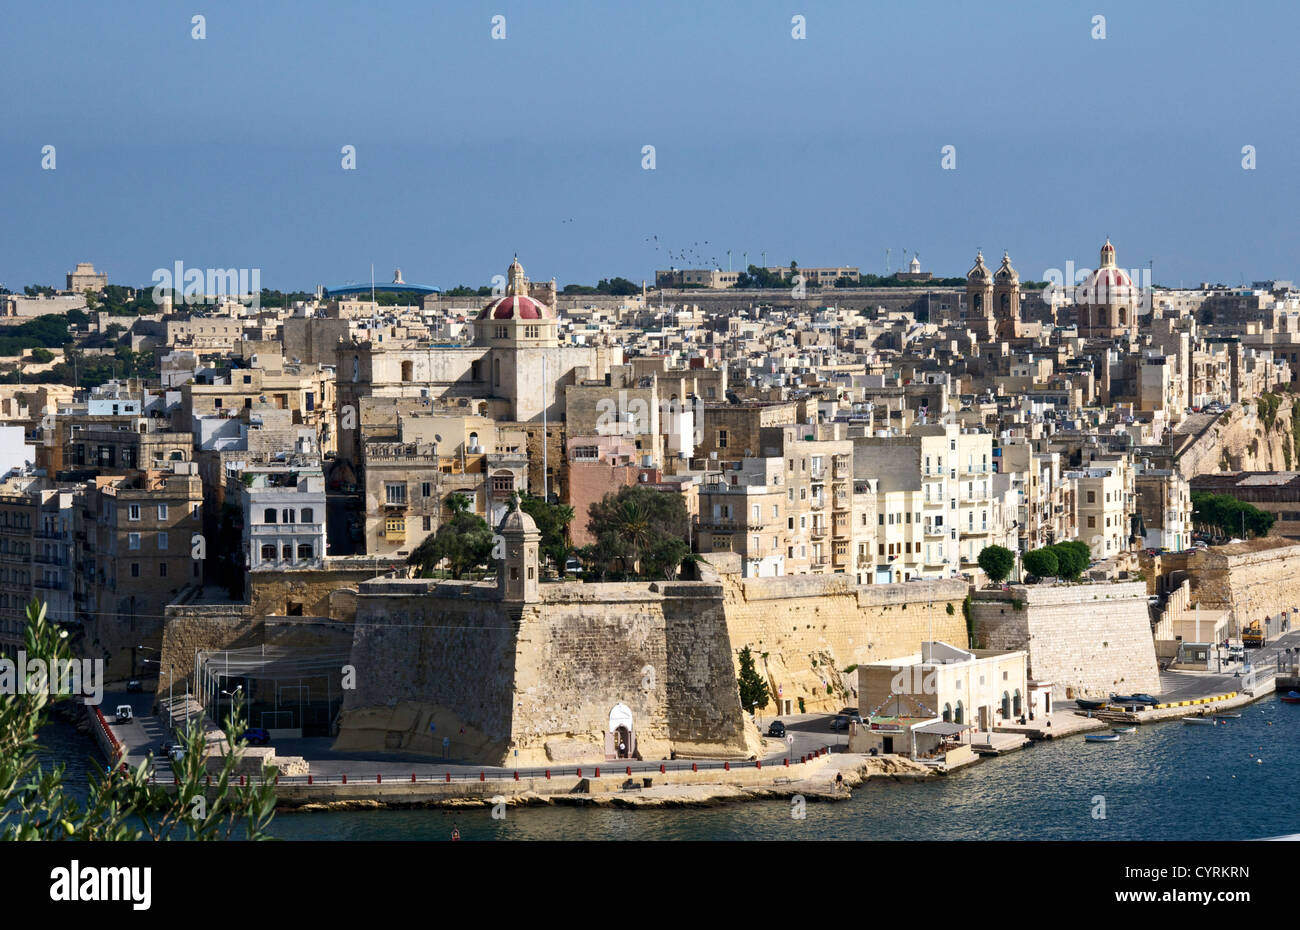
(621, 732)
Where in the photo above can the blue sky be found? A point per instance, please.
(225, 152)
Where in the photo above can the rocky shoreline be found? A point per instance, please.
(819, 786)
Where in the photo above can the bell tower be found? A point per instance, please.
(979, 299)
(1006, 299)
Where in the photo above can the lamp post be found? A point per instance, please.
(231, 694)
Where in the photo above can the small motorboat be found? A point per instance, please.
(1101, 738)
(1122, 729)
(1090, 705)
(1199, 721)
(1227, 716)
(1291, 697)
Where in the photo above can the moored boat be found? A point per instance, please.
(1227, 716)
(1199, 721)
(1122, 729)
(1090, 705)
(1291, 697)
(1101, 738)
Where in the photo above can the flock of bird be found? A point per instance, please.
(693, 257)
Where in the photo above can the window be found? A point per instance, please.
(287, 515)
(162, 569)
(288, 552)
(133, 540)
(306, 551)
(133, 512)
(197, 512)
(268, 552)
(503, 484)
(426, 489)
(162, 542)
(395, 493)
(135, 569)
(722, 439)
(1092, 523)
(268, 516)
(1092, 497)
(428, 524)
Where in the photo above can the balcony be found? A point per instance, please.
(729, 524)
(818, 531)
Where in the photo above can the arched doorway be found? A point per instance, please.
(620, 738)
(1016, 705)
(1006, 705)
(947, 713)
(960, 716)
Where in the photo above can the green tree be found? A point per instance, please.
(121, 805)
(464, 540)
(1070, 562)
(1041, 562)
(641, 529)
(997, 562)
(42, 355)
(553, 523)
(753, 689)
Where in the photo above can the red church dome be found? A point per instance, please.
(513, 307)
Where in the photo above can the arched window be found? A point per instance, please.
(306, 552)
(1016, 706)
(947, 713)
(269, 515)
(473, 440)
(268, 552)
(1123, 317)
(1006, 705)
(408, 371)
(960, 716)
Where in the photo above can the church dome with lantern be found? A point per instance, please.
(518, 317)
(1106, 301)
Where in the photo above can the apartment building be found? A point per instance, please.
(136, 547)
(283, 515)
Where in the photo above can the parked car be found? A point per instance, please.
(257, 736)
(134, 686)
(839, 722)
(176, 753)
(124, 713)
(777, 729)
(572, 566)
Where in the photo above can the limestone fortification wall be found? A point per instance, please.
(1086, 639)
(535, 683)
(1255, 579)
(1241, 440)
(805, 630)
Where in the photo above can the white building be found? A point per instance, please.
(284, 517)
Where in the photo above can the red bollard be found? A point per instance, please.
(598, 771)
(662, 770)
(412, 778)
(579, 773)
(516, 776)
(695, 767)
(482, 777)
(277, 779)
(727, 766)
(379, 778)
(449, 778)
(345, 779)
(241, 781)
(629, 770)
(548, 774)
(803, 759)
(209, 781)
(758, 763)
(787, 761)
(309, 779)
